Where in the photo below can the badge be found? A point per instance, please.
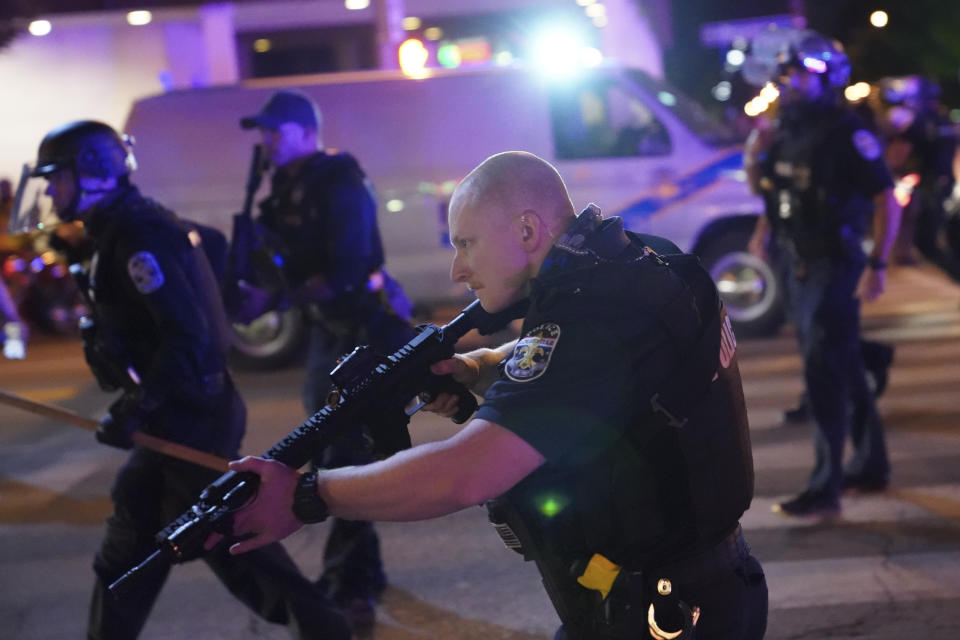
(867, 144)
(532, 354)
(145, 272)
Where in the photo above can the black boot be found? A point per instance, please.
(877, 358)
(799, 414)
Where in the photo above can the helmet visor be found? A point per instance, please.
(32, 209)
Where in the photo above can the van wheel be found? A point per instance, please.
(272, 341)
(748, 286)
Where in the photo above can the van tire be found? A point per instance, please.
(274, 340)
(749, 286)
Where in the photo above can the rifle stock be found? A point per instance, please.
(369, 390)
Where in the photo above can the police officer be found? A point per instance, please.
(612, 447)
(321, 217)
(822, 174)
(159, 334)
(926, 145)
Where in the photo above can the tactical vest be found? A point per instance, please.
(674, 485)
(810, 203)
(297, 213)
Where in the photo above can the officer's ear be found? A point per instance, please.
(530, 228)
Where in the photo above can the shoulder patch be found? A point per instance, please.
(531, 356)
(866, 144)
(145, 272)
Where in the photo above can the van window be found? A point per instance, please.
(688, 111)
(601, 120)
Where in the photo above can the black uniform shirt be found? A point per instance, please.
(156, 300)
(584, 363)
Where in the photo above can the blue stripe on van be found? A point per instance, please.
(685, 187)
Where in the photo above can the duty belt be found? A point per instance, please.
(700, 566)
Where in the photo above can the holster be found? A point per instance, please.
(571, 601)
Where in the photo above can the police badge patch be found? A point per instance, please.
(532, 353)
(145, 272)
(867, 144)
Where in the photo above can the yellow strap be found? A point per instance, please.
(599, 574)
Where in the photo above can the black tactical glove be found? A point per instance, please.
(125, 416)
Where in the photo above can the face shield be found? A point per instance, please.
(32, 209)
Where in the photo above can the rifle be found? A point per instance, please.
(368, 389)
(251, 257)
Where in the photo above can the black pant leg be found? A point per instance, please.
(129, 539)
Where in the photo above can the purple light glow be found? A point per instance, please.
(814, 65)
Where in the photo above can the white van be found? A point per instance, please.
(621, 139)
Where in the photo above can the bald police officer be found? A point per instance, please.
(612, 446)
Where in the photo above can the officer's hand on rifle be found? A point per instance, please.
(125, 416)
(475, 370)
(270, 516)
(461, 368)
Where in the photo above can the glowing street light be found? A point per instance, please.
(40, 27)
(413, 57)
(879, 19)
(139, 18)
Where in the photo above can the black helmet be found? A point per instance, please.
(88, 147)
(774, 49)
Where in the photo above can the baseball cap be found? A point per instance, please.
(284, 106)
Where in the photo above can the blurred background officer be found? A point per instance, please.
(159, 333)
(822, 174)
(320, 217)
(612, 444)
(12, 328)
(921, 148)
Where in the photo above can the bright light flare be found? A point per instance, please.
(561, 51)
(814, 65)
(857, 92)
(879, 19)
(139, 18)
(736, 57)
(769, 92)
(40, 27)
(762, 102)
(413, 57)
(595, 10)
(356, 5)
